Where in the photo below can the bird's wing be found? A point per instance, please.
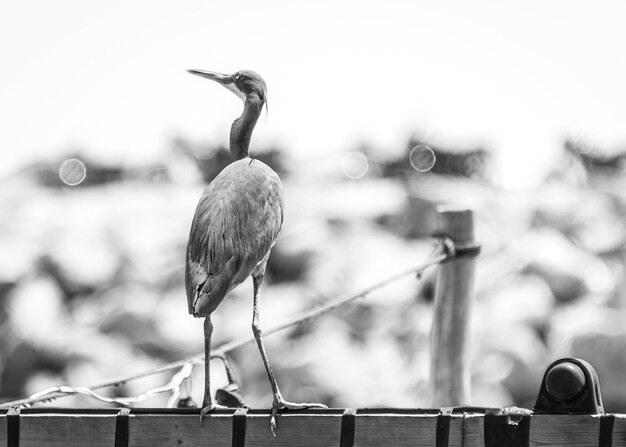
(212, 258)
(260, 222)
(234, 228)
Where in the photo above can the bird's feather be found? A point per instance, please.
(237, 221)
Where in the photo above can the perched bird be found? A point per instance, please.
(235, 226)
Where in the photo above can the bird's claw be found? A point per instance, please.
(283, 404)
(209, 408)
(273, 422)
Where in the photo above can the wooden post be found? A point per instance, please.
(449, 367)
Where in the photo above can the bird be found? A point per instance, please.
(236, 223)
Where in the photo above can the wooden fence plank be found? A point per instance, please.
(3, 430)
(294, 430)
(148, 430)
(67, 430)
(619, 430)
(570, 430)
(395, 430)
(467, 431)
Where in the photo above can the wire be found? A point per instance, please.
(173, 385)
(441, 254)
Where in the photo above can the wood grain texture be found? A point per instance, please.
(389, 429)
(467, 430)
(294, 430)
(3, 430)
(571, 430)
(619, 430)
(67, 430)
(173, 430)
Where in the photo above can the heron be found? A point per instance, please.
(235, 225)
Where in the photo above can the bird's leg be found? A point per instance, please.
(256, 330)
(207, 403)
(278, 402)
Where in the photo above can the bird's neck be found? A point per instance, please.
(241, 130)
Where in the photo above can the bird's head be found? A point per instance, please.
(247, 84)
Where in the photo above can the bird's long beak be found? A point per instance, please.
(225, 80)
(212, 75)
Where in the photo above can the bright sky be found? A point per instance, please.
(110, 75)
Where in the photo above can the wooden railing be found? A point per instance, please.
(468, 427)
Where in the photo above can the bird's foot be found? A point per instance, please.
(281, 404)
(209, 408)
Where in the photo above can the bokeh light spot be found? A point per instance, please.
(354, 165)
(422, 158)
(72, 172)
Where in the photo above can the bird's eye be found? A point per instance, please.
(237, 76)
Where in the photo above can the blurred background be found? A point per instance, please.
(107, 144)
